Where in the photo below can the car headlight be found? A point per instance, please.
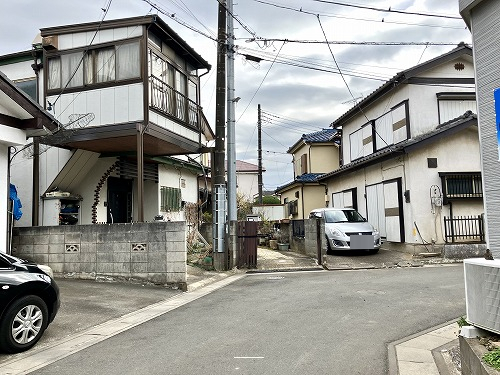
(46, 269)
(336, 233)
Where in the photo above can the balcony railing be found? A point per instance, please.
(172, 103)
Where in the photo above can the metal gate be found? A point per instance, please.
(247, 244)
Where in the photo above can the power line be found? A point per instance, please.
(105, 9)
(274, 139)
(173, 17)
(263, 79)
(389, 10)
(315, 66)
(350, 42)
(302, 10)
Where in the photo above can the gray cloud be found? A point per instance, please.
(297, 94)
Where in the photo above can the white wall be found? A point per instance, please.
(270, 212)
(8, 137)
(171, 177)
(418, 179)
(4, 194)
(423, 104)
(111, 105)
(17, 71)
(247, 184)
(83, 39)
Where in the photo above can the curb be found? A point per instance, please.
(433, 340)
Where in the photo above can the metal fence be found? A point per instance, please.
(464, 229)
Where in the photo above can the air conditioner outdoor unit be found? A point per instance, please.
(482, 293)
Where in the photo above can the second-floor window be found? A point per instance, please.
(454, 104)
(100, 65)
(392, 127)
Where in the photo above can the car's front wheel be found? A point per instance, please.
(23, 324)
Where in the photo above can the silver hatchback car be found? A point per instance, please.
(346, 229)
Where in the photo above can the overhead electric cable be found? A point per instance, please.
(389, 10)
(330, 15)
(364, 43)
(105, 9)
(263, 79)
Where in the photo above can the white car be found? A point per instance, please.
(346, 229)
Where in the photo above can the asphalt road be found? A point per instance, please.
(330, 322)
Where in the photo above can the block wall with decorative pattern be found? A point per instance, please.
(155, 252)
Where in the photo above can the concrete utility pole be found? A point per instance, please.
(259, 151)
(231, 140)
(218, 161)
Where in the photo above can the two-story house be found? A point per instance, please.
(127, 93)
(410, 154)
(313, 155)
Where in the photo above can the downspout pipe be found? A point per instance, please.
(302, 198)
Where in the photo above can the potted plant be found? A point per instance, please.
(283, 241)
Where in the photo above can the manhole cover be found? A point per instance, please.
(275, 277)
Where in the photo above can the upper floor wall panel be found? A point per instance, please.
(83, 39)
(111, 105)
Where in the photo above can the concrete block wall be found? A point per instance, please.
(308, 245)
(155, 251)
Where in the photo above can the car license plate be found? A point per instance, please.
(362, 242)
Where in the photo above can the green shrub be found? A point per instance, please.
(462, 322)
(492, 358)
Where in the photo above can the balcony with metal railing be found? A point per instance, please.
(175, 105)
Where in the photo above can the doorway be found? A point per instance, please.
(119, 203)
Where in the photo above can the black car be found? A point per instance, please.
(29, 301)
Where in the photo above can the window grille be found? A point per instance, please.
(465, 185)
(170, 199)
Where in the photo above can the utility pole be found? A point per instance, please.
(218, 161)
(259, 151)
(231, 140)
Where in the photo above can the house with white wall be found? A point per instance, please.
(247, 179)
(20, 117)
(127, 95)
(313, 155)
(410, 154)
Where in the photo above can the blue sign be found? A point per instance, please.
(496, 94)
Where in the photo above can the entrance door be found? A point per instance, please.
(119, 200)
(393, 211)
(385, 209)
(375, 207)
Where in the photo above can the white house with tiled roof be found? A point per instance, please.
(410, 156)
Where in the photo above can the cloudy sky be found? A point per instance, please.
(297, 82)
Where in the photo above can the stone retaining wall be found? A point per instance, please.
(155, 251)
